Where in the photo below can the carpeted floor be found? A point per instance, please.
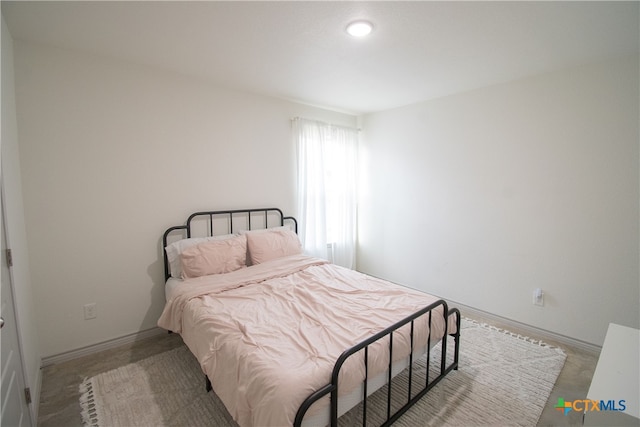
(504, 379)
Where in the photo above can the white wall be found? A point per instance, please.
(483, 196)
(16, 229)
(114, 153)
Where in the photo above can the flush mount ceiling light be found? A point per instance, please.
(359, 28)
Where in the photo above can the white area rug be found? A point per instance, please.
(503, 379)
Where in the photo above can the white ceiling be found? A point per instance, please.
(300, 51)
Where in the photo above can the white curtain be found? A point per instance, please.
(327, 175)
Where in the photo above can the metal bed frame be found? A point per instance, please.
(331, 389)
(248, 214)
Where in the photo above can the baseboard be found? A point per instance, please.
(542, 334)
(106, 345)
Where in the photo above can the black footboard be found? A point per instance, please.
(412, 398)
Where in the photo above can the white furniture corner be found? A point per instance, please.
(617, 377)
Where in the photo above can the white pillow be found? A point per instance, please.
(176, 248)
(214, 257)
(271, 243)
(266, 230)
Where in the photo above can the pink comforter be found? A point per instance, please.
(267, 336)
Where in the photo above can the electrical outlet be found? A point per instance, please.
(538, 297)
(90, 311)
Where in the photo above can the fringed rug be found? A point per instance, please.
(503, 379)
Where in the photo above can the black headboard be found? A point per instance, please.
(213, 223)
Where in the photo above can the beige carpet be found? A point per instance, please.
(503, 379)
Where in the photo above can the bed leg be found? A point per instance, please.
(207, 384)
(456, 338)
(456, 350)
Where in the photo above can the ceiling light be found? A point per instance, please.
(359, 28)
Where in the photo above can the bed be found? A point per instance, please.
(287, 339)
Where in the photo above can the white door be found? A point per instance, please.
(14, 410)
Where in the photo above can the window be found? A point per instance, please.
(327, 176)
